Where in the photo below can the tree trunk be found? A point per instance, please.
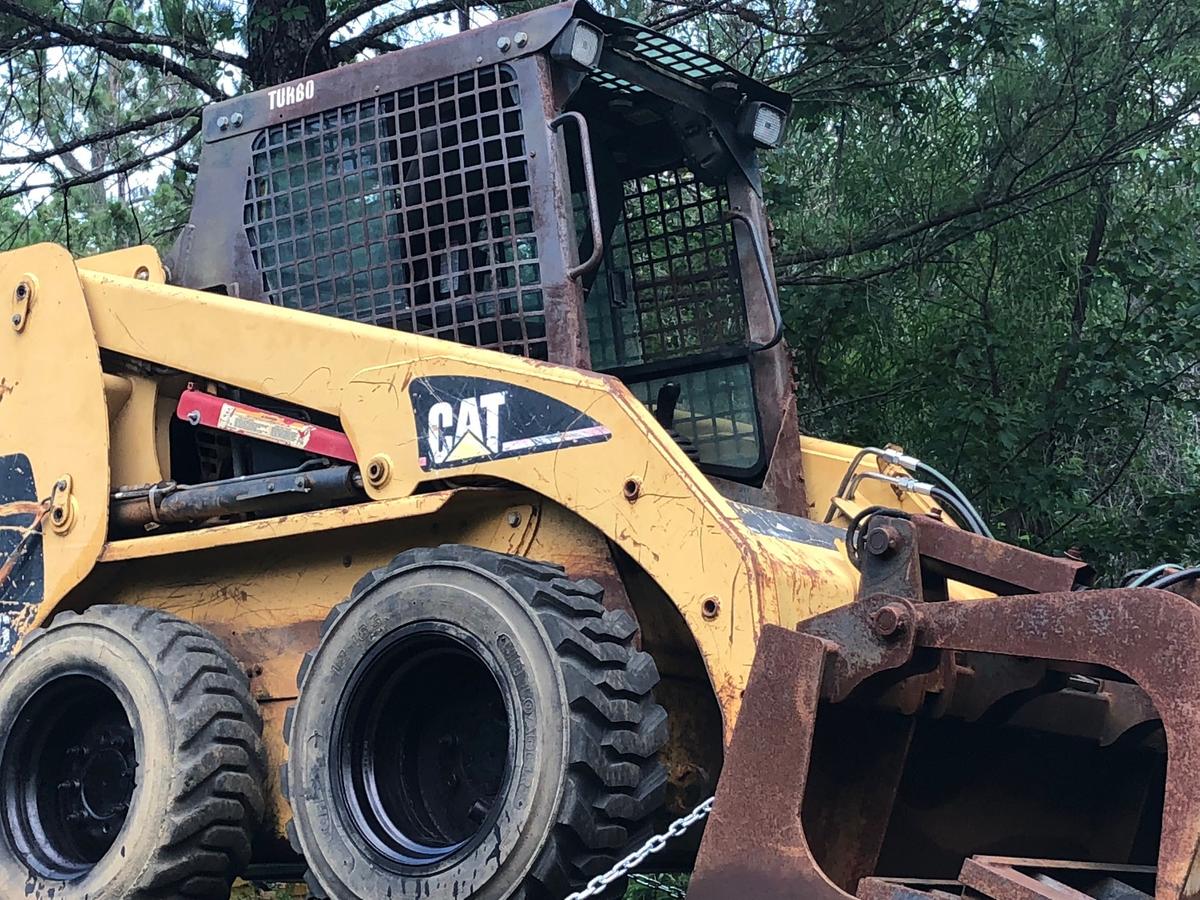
(279, 40)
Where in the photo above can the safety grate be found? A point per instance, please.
(716, 412)
(614, 82)
(671, 286)
(410, 210)
(662, 50)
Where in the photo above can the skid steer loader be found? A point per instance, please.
(415, 526)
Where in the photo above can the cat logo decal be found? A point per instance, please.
(463, 420)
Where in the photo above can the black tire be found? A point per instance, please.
(131, 760)
(459, 638)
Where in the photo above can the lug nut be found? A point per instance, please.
(882, 540)
(890, 620)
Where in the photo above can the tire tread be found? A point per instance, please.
(615, 781)
(217, 752)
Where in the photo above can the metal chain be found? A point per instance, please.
(638, 856)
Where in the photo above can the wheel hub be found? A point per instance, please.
(69, 775)
(424, 749)
(100, 785)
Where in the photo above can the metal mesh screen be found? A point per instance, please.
(671, 286)
(716, 412)
(410, 210)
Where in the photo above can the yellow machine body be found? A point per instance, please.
(265, 585)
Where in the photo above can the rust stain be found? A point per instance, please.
(6, 388)
(20, 508)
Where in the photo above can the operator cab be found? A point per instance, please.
(584, 191)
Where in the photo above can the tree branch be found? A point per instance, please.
(38, 156)
(116, 49)
(348, 48)
(100, 175)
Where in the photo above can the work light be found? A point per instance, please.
(761, 123)
(579, 45)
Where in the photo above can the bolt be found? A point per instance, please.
(503, 44)
(882, 540)
(142, 274)
(379, 471)
(223, 123)
(890, 620)
(236, 120)
(16, 319)
(59, 514)
(521, 38)
(632, 489)
(61, 484)
(270, 487)
(710, 607)
(22, 291)
(514, 518)
(194, 417)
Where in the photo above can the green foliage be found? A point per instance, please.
(997, 268)
(985, 217)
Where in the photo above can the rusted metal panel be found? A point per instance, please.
(870, 636)
(1001, 568)
(1151, 636)
(754, 843)
(421, 62)
(1007, 878)
(897, 889)
(858, 760)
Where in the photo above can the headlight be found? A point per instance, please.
(762, 123)
(579, 45)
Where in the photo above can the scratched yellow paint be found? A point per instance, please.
(265, 585)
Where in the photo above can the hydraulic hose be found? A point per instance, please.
(959, 502)
(907, 462)
(1175, 577)
(954, 507)
(966, 505)
(1140, 579)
